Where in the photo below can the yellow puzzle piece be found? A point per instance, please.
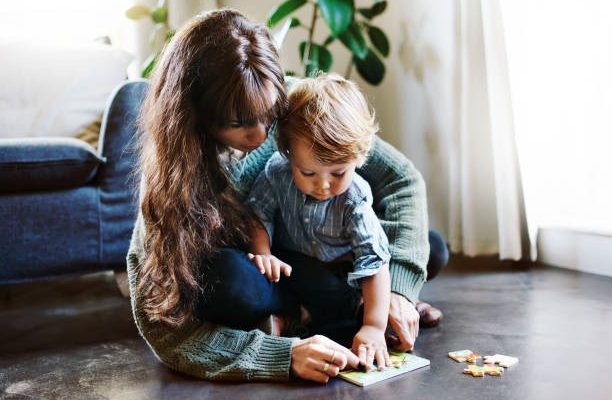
(480, 371)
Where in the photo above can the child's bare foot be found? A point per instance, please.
(287, 325)
(304, 316)
(272, 325)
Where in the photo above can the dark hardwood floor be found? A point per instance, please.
(74, 339)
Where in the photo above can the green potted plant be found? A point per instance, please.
(352, 26)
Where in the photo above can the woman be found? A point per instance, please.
(214, 96)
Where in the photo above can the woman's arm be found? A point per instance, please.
(401, 206)
(206, 350)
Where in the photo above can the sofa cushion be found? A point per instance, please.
(49, 163)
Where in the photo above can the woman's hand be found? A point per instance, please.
(317, 358)
(404, 320)
(270, 265)
(369, 344)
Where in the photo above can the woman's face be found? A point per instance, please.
(243, 138)
(247, 137)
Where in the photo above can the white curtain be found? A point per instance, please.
(486, 212)
(560, 58)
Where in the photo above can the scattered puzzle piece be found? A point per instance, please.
(480, 371)
(502, 360)
(464, 355)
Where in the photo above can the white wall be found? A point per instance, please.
(415, 102)
(581, 251)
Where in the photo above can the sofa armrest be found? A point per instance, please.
(116, 179)
(118, 133)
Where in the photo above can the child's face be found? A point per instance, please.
(320, 181)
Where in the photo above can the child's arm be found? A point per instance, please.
(260, 241)
(370, 250)
(262, 256)
(263, 202)
(400, 201)
(376, 291)
(369, 343)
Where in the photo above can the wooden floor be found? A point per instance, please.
(75, 339)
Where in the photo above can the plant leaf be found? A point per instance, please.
(283, 10)
(170, 35)
(378, 8)
(353, 39)
(159, 15)
(328, 40)
(149, 64)
(137, 12)
(320, 58)
(294, 22)
(338, 14)
(371, 68)
(379, 40)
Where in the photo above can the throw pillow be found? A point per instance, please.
(55, 90)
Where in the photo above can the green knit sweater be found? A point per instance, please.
(216, 352)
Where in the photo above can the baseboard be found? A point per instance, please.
(581, 251)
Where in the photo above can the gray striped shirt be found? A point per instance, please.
(325, 229)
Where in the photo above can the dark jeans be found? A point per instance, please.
(237, 295)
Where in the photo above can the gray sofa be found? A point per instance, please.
(66, 208)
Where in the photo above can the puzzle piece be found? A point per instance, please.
(397, 359)
(464, 355)
(480, 371)
(502, 360)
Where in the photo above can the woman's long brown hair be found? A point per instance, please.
(215, 70)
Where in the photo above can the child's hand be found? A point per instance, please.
(369, 345)
(270, 265)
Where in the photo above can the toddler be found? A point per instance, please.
(310, 200)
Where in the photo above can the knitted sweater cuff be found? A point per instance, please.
(406, 281)
(274, 359)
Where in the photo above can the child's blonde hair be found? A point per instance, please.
(330, 113)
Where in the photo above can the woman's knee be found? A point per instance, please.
(227, 264)
(228, 274)
(438, 254)
(234, 291)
